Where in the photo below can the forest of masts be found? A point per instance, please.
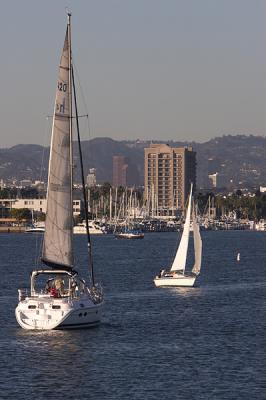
(120, 203)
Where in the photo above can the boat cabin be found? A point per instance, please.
(55, 283)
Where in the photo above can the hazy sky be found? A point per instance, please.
(161, 69)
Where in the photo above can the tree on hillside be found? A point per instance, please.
(8, 193)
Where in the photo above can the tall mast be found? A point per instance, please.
(70, 118)
(91, 269)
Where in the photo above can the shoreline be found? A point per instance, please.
(12, 229)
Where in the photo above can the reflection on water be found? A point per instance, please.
(186, 291)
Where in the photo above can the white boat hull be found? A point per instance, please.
(35, 230)
(180, 280)
(130, 236)
(46, 313)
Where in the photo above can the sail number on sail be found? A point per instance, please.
(62, 86)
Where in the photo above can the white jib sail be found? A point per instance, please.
(57, 245)
(179, 263)
(197, 246)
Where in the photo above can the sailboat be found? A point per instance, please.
(178, 275)
(58, 297)
(36, 227)
(129, 231)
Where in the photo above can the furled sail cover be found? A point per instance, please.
(197, 246)
(57, 244)
(179, 263)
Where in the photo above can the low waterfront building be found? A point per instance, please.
(35, 205)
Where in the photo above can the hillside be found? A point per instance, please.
(236, 158)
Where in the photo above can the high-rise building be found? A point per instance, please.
(91, 177)
(218, 180)
(167, 176)
(119, 171)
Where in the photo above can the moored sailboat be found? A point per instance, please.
(58, 297)
(178, 275)
(129, 234)
(35, 227)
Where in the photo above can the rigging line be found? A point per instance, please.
(73, 117)
(83, 184)
(39, 241)
(83, 100)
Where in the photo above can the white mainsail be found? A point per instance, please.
(57, 245)
(197, 246)
(179, 263)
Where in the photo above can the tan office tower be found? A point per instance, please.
(168, 174)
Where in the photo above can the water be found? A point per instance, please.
(192, 343)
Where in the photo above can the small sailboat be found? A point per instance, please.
(58, 298)
(129, 231)
(178, 275)
(36, 227)
(238, 257)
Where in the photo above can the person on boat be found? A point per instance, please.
(168, 274)
(54, 292)
(73, 288)
(49, 285)
(59, 285)
(161, 273)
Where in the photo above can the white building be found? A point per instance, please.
(91, 177)
(218, 180)
(35, 205)
(76, 207)
(25, 183)
(213, 179)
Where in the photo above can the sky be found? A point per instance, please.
(148, 69)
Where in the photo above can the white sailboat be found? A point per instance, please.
(178, 275)
(129, 231)
(36, 227)
(58, 297)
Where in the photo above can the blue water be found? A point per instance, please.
(206, 342)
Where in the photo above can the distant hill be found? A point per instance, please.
(240, 159)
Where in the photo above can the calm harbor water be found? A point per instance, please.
(206, 342)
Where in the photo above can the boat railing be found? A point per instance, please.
(96, 293)
(22, 294)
